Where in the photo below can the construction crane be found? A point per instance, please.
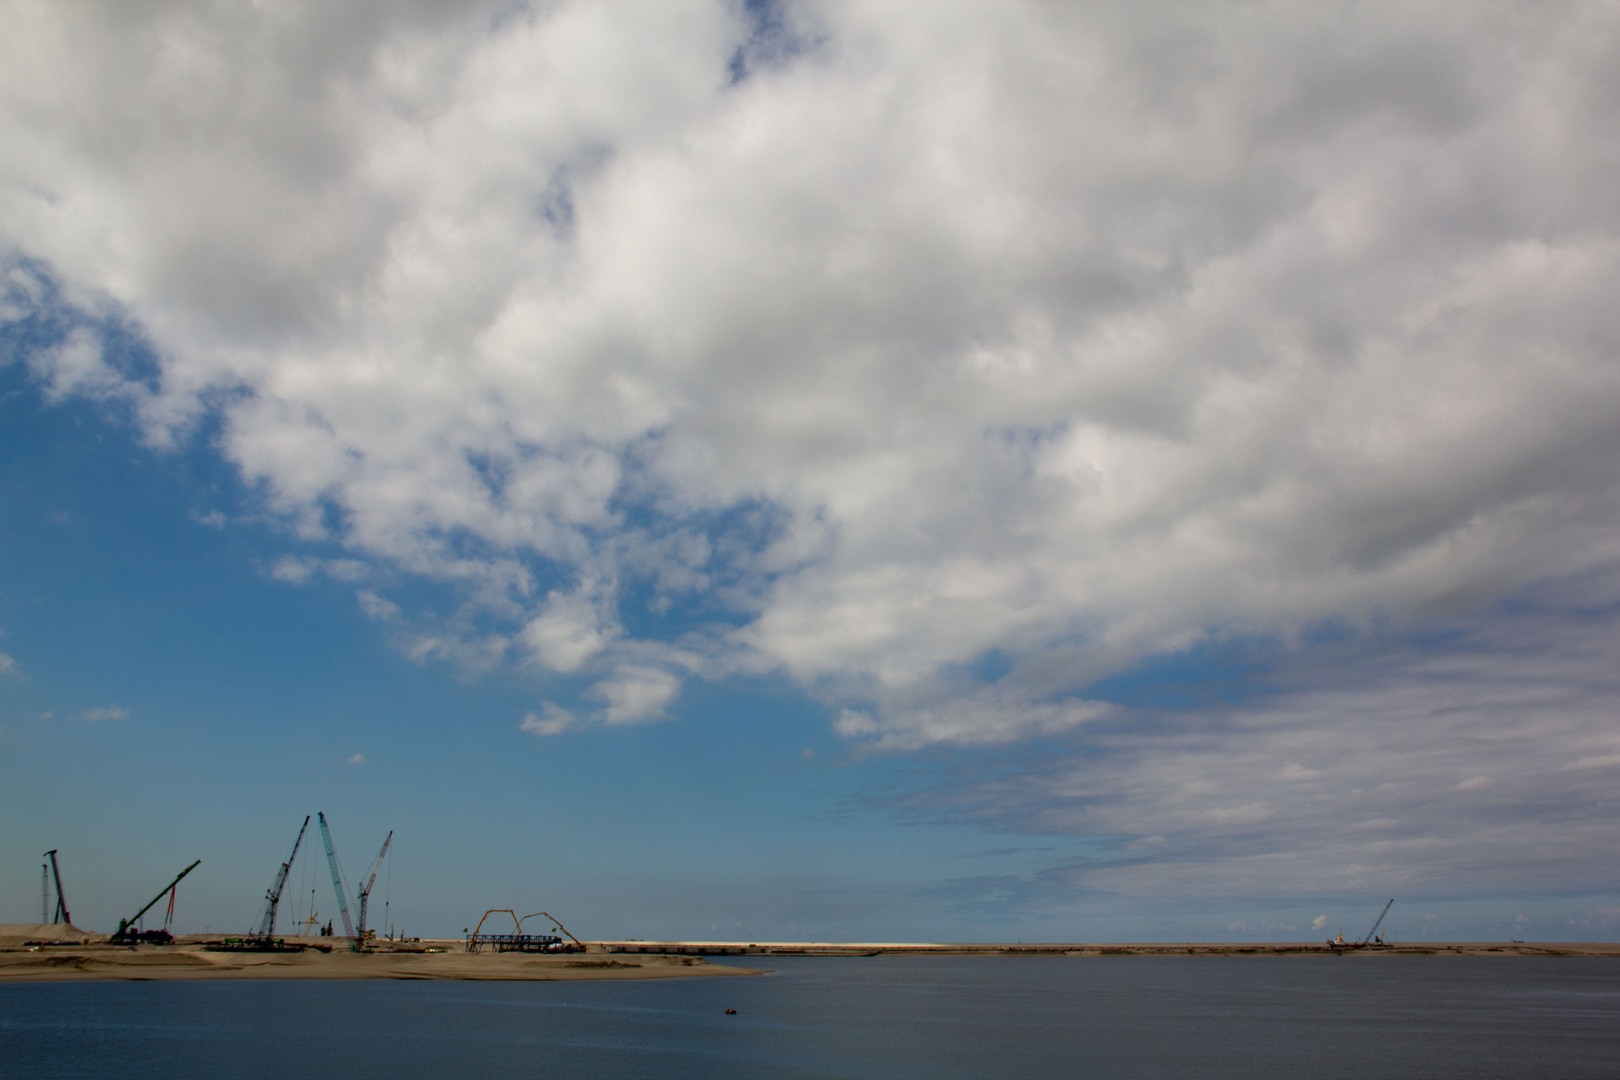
(272, 897)
(365, 893)
(337, 878)
(61, 915)
(128, 935)
(1368, 938)
(559, 926)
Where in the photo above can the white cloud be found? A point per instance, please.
(552, 719)
(344, 569)
(1319, 923)
(358, 759)
(75, 366)
(298, 571)
(103, 712)
(1400, 742)
(293, 570)
(376, 607)
(1070, 333)
(10, 667)
(992, 715)
(635, 695)
(569, 631)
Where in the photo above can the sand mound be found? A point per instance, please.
(20, 932)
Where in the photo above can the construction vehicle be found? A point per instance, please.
(129, 932)
(365, 893)
(337, 877)
(1366, 940)
(61, 915)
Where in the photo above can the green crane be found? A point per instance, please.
(128, 935)
(337, 878)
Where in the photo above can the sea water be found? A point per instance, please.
(935, 1017)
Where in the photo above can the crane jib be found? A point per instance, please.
(365, 893)
(337, 878)
(124, 924)
(1376, 925)
(267, 926)
(61, 915)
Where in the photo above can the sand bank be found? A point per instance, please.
(14, 934)
(63, 953)
(1182, 948)
(49, 963)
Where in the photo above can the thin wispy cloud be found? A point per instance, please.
(1481, 763)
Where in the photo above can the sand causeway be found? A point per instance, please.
(81, 957)
(42, 953)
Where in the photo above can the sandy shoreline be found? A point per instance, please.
(1160, 948)
(80, 956)
(54, 963)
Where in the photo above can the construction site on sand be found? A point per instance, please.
(55, 949)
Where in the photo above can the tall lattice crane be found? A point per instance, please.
(272, 896)
(61, 915)
(365, 893)
(1368, 938)
(337, 878)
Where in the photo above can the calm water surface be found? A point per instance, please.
(943, 1017)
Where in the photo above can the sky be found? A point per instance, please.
(814, 470)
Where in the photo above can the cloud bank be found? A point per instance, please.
(1484, 763)
(948, 360)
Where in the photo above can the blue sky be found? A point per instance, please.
(815, 471)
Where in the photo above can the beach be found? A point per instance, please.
(78, 956)
(42, 953)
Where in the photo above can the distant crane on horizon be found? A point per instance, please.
(61, 915)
